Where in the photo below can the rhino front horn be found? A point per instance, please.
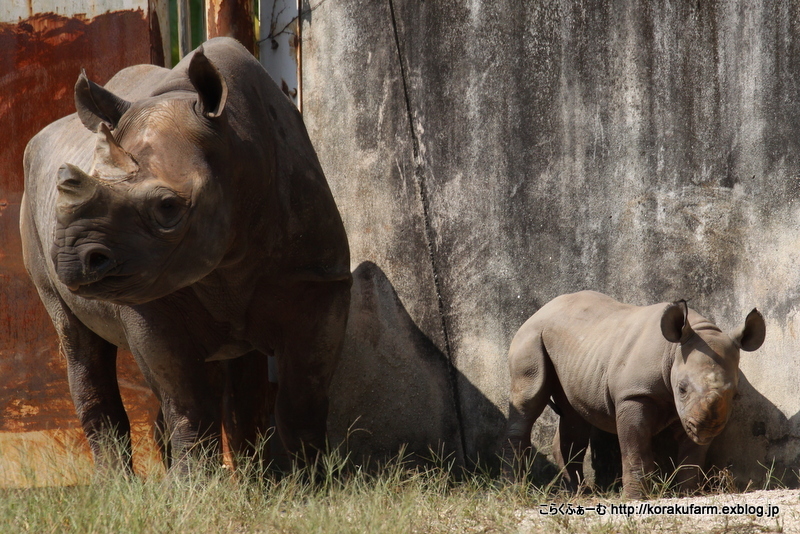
(74, 182)
(74, 186)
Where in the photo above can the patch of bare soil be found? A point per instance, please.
(757, 512)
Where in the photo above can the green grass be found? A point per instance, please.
(340, 497)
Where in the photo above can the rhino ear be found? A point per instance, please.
(97, 105)
(675, 322)
(751, 334)
(110, 159)
(212, 91)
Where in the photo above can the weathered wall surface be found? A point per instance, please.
(489, 156)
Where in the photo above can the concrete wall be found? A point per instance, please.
(489, 156)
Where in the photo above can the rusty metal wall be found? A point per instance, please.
(231, 18)
(43, 46)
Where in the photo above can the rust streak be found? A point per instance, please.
(232, 18)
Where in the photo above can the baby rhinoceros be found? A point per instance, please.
(629, 370)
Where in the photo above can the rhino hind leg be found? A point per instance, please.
(533, 381)
(569, 446)
(248, 398)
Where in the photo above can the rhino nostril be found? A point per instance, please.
(99, 262)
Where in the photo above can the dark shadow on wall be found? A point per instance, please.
(753, 447)
(392, 390)
(759, 442)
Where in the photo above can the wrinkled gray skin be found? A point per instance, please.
(629, 370)
(182, 214)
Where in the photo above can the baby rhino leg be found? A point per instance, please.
(569, 446)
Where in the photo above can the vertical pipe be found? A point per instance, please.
(158, 22)
(184, 28)
(232, 18)
(299, 55)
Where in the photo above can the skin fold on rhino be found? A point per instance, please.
(182, 214)
(628, 370)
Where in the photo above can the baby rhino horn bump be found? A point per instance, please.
(711, 402)
(751, 334)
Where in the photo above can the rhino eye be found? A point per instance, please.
(168, 211)
(682, 388)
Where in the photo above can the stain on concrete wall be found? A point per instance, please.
(489, 156)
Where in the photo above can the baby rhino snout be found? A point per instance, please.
(708, 417)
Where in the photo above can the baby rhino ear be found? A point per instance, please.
(96, 105)
(751, 334)
(675, 322)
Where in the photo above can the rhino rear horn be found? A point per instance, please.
(675, 322)
(212, 91)
(97, 105)
(751, 334)
(110, 159)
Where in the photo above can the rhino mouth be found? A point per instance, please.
(116, 288)
(703, 433)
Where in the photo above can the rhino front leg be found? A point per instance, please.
(634, 429)
(308, 354)
(92, 375)
(691, 460)
(91, 365)
(188, 426)
(193, 432)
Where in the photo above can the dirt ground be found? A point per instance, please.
(758, 511)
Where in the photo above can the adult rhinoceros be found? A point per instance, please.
(182, 214)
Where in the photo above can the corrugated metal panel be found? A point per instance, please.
(43, 46)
